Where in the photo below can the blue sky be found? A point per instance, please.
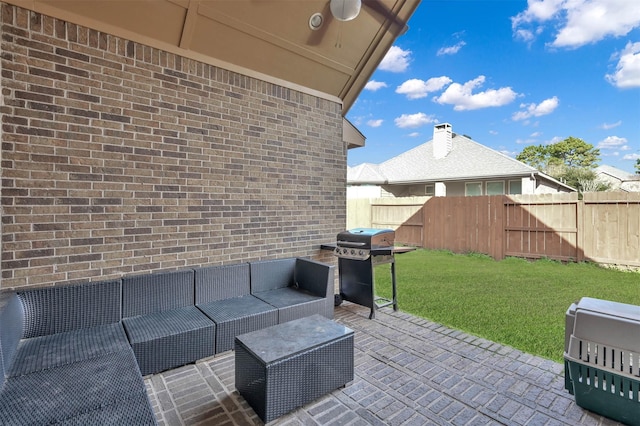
(509, 73)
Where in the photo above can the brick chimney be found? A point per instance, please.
(442, 140)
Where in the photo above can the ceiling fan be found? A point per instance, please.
(347, 10)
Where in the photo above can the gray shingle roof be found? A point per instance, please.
(366, 172)
(467, 160)
(615, 172)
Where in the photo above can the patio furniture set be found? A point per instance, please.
(77, 354)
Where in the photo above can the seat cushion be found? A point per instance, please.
(168, 339)
(135, 410)
(54, 350)
(293, 303)
(234, 308)
(57, 394)
(288, 296)
(238, 315)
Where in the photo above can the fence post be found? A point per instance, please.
(580, 231)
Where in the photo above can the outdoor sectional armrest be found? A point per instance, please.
(11, 329)
(315, 277)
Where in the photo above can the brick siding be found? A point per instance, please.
(119, 158)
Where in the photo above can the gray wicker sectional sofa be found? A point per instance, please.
(77, 354)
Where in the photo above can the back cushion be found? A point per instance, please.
(222, 282)
(157, 292)
(271, 274)
(11, 330)
(51, 310)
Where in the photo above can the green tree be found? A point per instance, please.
(535, 155)
(575, 153)
(638, 166)
(571, 160)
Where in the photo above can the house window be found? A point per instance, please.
(429, 190)
(515, 187)
(472, 188)
(495, 188)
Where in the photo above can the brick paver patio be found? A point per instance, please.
(408, 371)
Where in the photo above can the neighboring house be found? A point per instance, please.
(453, 165)
(618, 180)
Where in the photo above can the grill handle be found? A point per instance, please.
(351, 244)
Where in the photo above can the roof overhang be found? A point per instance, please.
(555, 181)
(351, 135)
(267, 39)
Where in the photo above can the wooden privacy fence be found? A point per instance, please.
(603, 227)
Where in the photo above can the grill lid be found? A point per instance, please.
(366, 238)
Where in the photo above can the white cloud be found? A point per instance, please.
(532, 110)
(612, 142)
(451, 50)
(373, 85)
(416, 89)
(554, 139)
(536, 134)
(463, 98)
(375, 123)
(508, 153)
(627, 73)
(607, 126)
(631, 157)
(525, 141)
(396, 60)
(356, 121)
(524, 35)
(411, 121)
(538, 10)
(579, 22)
(414, 134)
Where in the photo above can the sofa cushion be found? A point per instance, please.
(40, 353)
(51, 310)
(222, 282)
(293, 303)
(168, 339)
(134, 410)
(272, 274)
(55, 394)
(157, 292)
(237, 316)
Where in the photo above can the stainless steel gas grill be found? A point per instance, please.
(359, 250)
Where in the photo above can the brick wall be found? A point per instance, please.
(118, 158)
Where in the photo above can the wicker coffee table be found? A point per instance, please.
(286, 366)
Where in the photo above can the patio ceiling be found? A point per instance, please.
(271, 39)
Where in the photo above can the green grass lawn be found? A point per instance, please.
(514, 301)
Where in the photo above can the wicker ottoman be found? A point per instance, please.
(286, 366)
